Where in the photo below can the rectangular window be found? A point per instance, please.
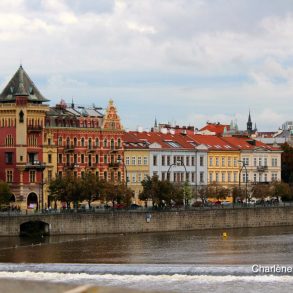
(133, 161)
(60, 158)
(266, 177)
(49, 175)
(201, 177)
(211, 161)
(265, 162)
(254, 177)
(8, 158)
(163, 160)
(187, 176)
(192, 161)
(9, 176)
(254, 162)
(187, 161)
(90, 160)
(217, 161)
(229, 161)
(49, 141)
(223, 177)
(211, 177)
(201, 161)
(217, 177)
(155, 160)
(229, 176)
(32, 175)
(139, 177)
(193, 177)
(223, 161)
(235, 177)
(145, 160)
(168, 161)
(97, 159)
(235, 161)
(139, 161)
(49, 158)
(82, 158)
(105, 159)
(127, 161)
(259, 161)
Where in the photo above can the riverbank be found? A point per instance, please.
(12, 286)
(112, 222)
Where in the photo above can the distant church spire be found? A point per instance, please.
(249, 125)
(156, 123)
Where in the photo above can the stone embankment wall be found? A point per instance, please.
(136, 222)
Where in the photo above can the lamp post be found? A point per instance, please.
(182, 163)
(119, 161)
(243, 165)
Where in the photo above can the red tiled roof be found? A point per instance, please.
(217, 128)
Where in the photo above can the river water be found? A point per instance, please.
(189, 261)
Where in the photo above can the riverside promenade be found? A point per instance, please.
(139, 221)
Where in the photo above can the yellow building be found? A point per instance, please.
(136, 161)
(223, 160)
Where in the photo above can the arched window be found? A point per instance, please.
(68, 142)
(119, 143)
(21, 117)
(75, 142)
(112, 144)
(89, 143)
(82, 141)
(97, 142)
(105, 143)
(60, 140)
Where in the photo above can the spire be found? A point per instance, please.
(72, 104)
(249, 118)
(249, 124)
(156, 124)
(21, 90)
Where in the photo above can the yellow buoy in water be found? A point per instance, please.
(225, 234)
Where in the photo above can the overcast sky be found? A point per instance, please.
(182, 61)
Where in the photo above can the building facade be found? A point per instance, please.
(37, 141)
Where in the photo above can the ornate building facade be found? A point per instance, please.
(37, 141)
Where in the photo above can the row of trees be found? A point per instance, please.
(165, 193)
(89, 188)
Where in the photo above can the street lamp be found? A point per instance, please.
(182, 164)
(246, 177)
(119, 161)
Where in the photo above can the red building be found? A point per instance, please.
(37, 141)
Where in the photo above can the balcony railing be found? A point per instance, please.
(70, 166)
(91, 149)
(69, 148)
(262, 168)
(34, 128)
(35, 165)
(114, 165)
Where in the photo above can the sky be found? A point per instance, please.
(181, 61)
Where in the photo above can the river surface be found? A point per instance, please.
(189, 261)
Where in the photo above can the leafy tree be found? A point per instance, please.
(90, 188)
(187, 192)
(281, 189)
(287, 163)
(5, 193)
(261, 190)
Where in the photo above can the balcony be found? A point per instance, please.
(262, 168)
(91, 149)
(70, 166)
(114, 165)
(34, 128)
(69, 148)
(35, 165)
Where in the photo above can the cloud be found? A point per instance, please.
(164, 57)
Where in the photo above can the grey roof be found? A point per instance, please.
(21, 85)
